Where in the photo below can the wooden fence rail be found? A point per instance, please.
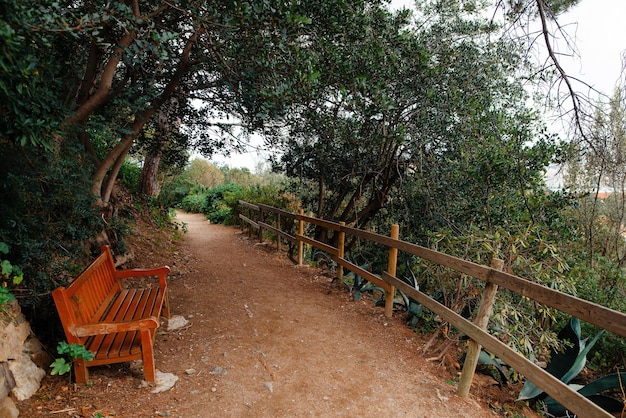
(598, 315)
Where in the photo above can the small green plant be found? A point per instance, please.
(10, 274)
(5, 297)
(181, 226)
(70, 352)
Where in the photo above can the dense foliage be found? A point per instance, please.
(84, 85)
(444, 144)
(197, 190)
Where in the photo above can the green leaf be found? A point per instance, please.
(605, 402)
(566, 364)
(415, 308)
(60, 366)
(74, 351)
(63, 347)
(490, 360)
(581, 359)
(7, 268)
(5, 296)
(592, 391)
(17, 279)
(610, 381)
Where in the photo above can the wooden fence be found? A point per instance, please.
(255, 219)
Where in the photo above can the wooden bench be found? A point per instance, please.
(112, 318)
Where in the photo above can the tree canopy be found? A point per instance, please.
(114, 66)
(435, 106)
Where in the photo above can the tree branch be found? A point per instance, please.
(106, 81)
(566, 79)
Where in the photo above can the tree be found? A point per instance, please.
(435, 109)
(161, 140)
(205, 174)
(130, 58)
(82, 86)
(598, 177)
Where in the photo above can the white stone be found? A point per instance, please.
(176, 322)
(27, 377)
(164, 381)
(12, 338)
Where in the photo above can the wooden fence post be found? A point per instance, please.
(278, 235)
(341, 242)
(391, 269)
(300, 243)
(248, 210)
(261, 219)
(481, 320)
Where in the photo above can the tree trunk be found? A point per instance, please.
(148, 184)
(122, 148)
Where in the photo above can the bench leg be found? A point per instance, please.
(147, 351)
(166, 306)
(81, 374)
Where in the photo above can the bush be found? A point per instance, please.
(269, 195)
(194, 203)
(129, 175)
(216, 209)
(48, 221)
(175, 190)
(604, 284)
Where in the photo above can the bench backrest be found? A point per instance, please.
(87, 295)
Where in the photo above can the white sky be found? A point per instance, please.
(601, 41)
(600, 34)
(250, 160)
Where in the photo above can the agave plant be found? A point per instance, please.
(487, 359)
(324, 261)
(566, 365)
(413, 308)
(361, 286)
(593, 392)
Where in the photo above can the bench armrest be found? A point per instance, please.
(161, 272)
(113, 327)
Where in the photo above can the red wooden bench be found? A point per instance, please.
(111, 317)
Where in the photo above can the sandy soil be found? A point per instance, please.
(265, 338)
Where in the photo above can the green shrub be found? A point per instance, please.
(48, 221)
(175, 190)
(194, 203)
(129, 175)
(221, 216)
(9, 275)
(604, 284)
(271, 195)
(215, 208)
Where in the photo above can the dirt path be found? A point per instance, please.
(266, 339)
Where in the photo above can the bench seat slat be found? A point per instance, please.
(129, 305)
